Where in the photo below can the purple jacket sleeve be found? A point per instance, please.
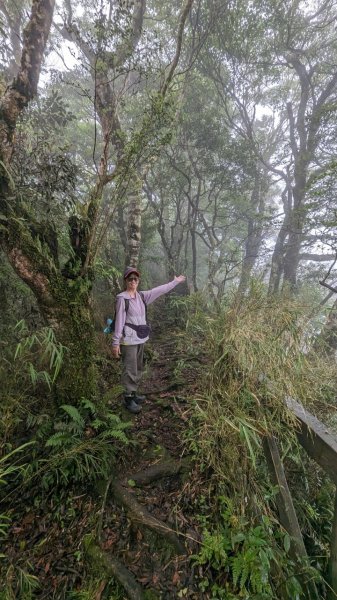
(120, 321)
(152, 295)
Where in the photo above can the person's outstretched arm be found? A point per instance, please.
(152, 295)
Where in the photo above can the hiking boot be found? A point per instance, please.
(138, 398)
(131, 405)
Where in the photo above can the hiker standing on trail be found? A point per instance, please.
(132, 331)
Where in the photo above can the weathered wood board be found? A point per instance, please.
(316, 439)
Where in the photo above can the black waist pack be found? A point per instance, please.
(142, 330)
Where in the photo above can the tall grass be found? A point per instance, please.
(259, 353)
(256, 353)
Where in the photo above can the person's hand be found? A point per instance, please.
(179, 278)
(116, 351)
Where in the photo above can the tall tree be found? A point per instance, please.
(280, 59)
(63, 291)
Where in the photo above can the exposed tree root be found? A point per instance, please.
(112, 567)
(139, 514)
(161, 469)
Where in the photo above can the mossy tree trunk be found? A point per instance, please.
(255, 216)
(72, 320)
(64, 303)
(134, 221)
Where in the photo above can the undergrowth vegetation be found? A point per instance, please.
(257, 354)
(246, 559)
(49, 453)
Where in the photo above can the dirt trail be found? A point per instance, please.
(158, 562)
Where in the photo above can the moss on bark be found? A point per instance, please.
(72, 320)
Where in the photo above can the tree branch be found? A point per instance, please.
(24, 86)
(19, 241)
(329, 287)
(323, 282)
(114, 60)
(317, 257)
(175, 61)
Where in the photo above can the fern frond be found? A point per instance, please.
(237, 568)
(89, 405)
(97, 424)
(58, 439)
(116, 434)
(115, 420)
(74, 414)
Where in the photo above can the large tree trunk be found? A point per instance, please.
(24, 86)
(254, 234)
(277, 263)
(75, 330)
(296, 222)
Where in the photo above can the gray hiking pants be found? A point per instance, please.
(132, 366)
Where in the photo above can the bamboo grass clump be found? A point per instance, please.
(260, 354)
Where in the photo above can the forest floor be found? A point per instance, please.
(146, 512)
(160, 432)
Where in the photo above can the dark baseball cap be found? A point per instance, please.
(130, 270)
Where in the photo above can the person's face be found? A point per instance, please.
(132, 283)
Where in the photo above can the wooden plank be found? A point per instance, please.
(287, 513)
(332, 593)
(316, 439)
(284, 500)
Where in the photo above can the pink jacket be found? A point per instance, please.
(136, 313)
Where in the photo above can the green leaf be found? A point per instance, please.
(10, 178)
(74, 414)
(58, 439)
(89, 405)
(286, 542)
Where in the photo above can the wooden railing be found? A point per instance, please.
(321, 446)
